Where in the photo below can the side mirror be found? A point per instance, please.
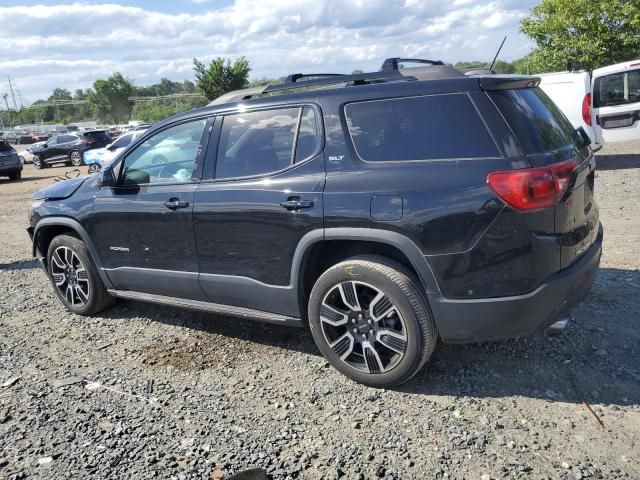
(106, 178)
(583, 137)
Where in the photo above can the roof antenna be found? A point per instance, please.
(498, 52)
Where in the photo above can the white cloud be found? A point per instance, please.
(71, 45)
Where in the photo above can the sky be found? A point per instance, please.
(49, 44)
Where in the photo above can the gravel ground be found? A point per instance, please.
(144, 391)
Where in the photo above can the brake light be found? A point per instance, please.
(586, 109)
(532, 188)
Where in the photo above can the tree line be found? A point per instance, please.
(568, 33)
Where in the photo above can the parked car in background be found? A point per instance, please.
(605, 102)
(100, 157)
(10, 165)
(39, 136)
(69, 148)
(385, 211)
(26, 156)
(114, 132)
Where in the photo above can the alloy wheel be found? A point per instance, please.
(76, 159)
(70, 276)
(363, 327)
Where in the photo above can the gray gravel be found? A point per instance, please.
(142, 391)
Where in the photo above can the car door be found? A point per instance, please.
(50, 150)
(143, 226)
(616, 102)
(263, 196)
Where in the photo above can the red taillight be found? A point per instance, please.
(532, 188)
(586, 109)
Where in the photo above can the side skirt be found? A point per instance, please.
(216, 308)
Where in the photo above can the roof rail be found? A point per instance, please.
(394, 62)
(317, 79)
(239, 95)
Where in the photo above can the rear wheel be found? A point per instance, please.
(15, 176)
(74, 277)
(370, 319)
(76, 158)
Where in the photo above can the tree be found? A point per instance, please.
(110, 98)
(221, 76)
(593, 33)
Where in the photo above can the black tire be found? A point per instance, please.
(37, 162)
(404, 291)
(15, 176)
(97, 297)
(75, 157)
(94, 167)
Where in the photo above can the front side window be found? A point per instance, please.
(167, 157)
(418, 128)
(52, 141)
(617, 89)
(256, 143)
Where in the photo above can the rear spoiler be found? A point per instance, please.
(507, 82)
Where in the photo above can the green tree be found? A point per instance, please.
(110, 98)
(221, 76)
(593, 33)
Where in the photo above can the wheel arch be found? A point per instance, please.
(317, 252)
(49, 228)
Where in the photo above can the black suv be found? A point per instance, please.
(10, 164)
(68, 148)
(384, 211)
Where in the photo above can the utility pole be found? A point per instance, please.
(15, 105)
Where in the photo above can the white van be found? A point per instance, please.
(606, 103)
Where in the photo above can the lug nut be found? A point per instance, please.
(364, 337)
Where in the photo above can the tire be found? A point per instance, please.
(76, 158)
(402, 311)
(37, 162)
(80, 288)
(15, 176)
(94, 167)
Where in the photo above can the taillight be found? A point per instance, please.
(532, 188)
(586, 109)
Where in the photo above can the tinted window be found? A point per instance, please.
(418, 128)
(537, 122)
(617, 89)
(123, 141)
(167, 157)
(52, 141)
(307, 135)
(5, 147)
(98, 136)
(67, 138)
(255, 143)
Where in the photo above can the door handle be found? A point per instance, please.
(175, 204)
(296, 203)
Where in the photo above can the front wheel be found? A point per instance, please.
(370, 319)
(94, 167)
(74, 277)
(37, 162)
(76, 158)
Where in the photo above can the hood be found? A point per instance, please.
(60, 190)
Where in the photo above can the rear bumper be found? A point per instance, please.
(461, 321)
(10, 170)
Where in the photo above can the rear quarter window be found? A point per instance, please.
(537, 122)
(419, 128)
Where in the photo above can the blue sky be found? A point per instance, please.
(46, 44)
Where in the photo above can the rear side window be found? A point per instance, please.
(617, 89)
(418, 128)
(537, 122)
(261, 142)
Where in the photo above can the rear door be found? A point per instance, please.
(616, 102)
(548, 139)
(262, 197)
